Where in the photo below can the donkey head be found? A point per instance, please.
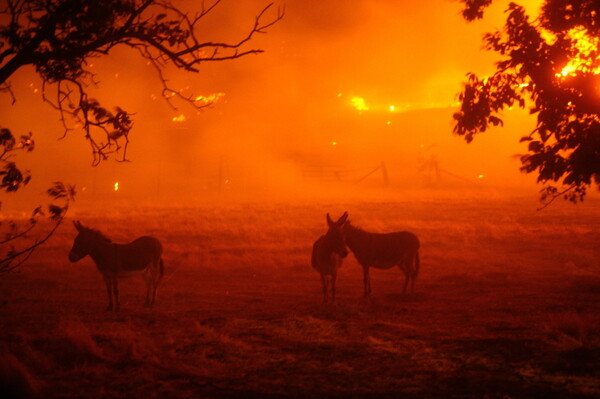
(335, 235)
(82, 243)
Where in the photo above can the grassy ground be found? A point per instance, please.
(507, 305)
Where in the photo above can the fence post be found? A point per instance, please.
(384, 173)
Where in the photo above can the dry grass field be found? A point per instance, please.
(507, 305)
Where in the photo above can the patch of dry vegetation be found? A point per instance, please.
(506, 306)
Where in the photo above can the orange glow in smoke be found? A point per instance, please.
(116, 186)
(180, 118)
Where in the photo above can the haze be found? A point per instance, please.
(341, 88)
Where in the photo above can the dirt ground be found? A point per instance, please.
(507, 305)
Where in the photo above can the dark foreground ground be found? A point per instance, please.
(507, 306)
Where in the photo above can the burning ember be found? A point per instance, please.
(359, 103)
(210, 99)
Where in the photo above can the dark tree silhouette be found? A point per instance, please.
(59, 37)
(550, 64)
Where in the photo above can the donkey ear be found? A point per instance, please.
(342, 220)
(329, 221)
(77, 225)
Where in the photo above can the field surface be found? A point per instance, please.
(507, 305)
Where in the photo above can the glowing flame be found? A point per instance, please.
(359, 103)
(116, 186)
(210, 99)
(392, 108)
(587, 47)
(480, 176)
(568, 70)
(180, 118)
(334, 143)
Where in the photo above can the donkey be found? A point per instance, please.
(142, 255)
(328, 253)
(384, 251)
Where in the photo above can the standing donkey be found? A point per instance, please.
(384, 251)
(328, 253)
(142, 255)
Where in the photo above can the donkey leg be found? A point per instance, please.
(154, 287)
(405, 268)
(116, 293)
(366, 281)
(148, 281)
(413, 274)
(333, 278)
(406, 280)
(109, 293)
(324, 285)
(154, 283)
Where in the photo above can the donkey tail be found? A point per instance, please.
(161, 268)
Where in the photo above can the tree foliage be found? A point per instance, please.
(550, 64)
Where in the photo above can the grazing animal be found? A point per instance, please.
(328, 252)
(384, 251)
(142, 255)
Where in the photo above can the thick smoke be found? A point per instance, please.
(285, 123)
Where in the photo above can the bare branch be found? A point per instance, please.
(13, 259)
(6, 87)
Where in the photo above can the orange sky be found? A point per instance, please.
(282, 110)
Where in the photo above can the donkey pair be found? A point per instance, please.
(381, 251)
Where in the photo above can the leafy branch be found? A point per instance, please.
(14, 257)
(550, 64)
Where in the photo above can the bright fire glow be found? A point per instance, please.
(180, 118)
(392, 108)
(480, 176)
(588, 60)
(359, 103)
(116, 186)
(210, 99)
